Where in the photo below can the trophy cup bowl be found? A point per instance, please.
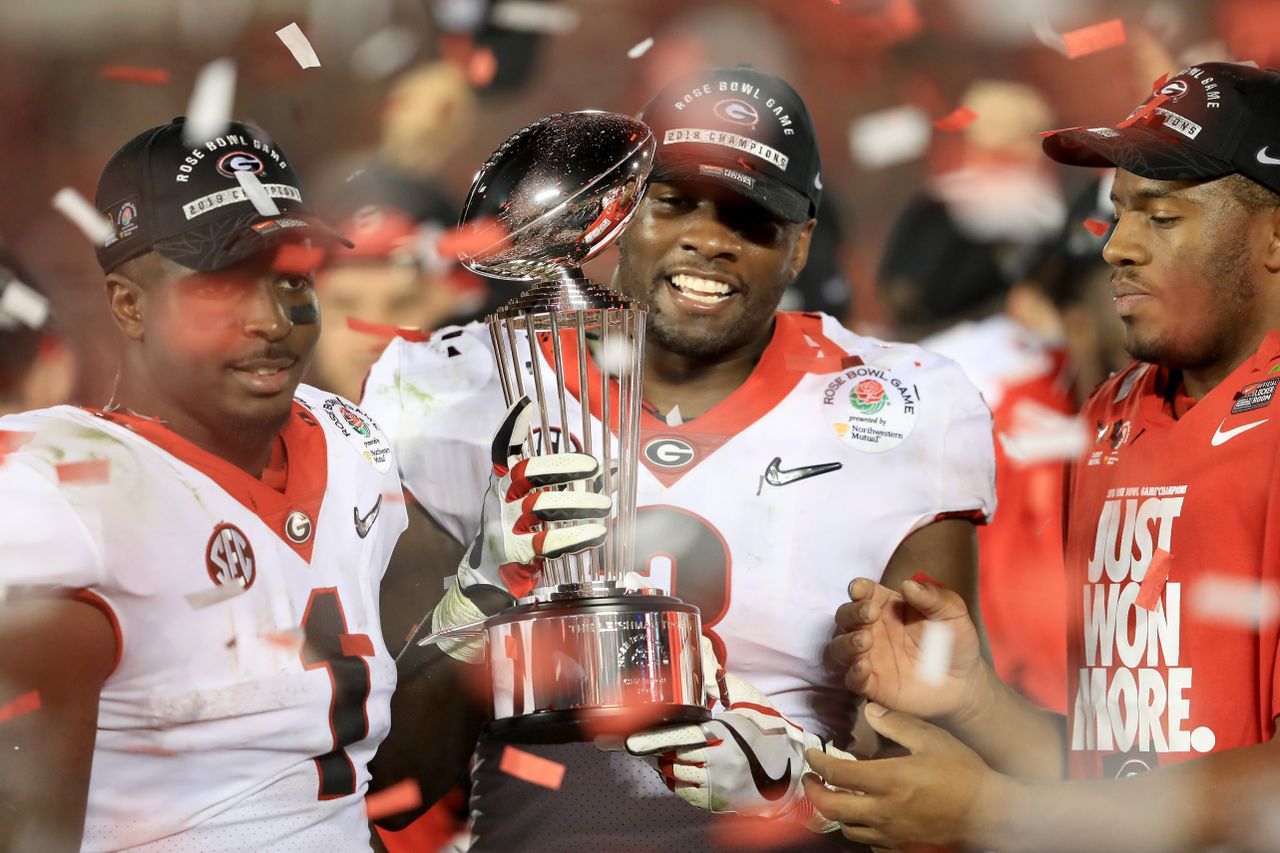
(582, 656)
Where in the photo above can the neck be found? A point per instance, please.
(1200, 381)
(697, 384)
(247, 449)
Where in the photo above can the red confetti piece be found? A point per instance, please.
(1143, 111)
(355, 645)
(1087, 40)
(957, 119)
(470, 238)
(1097, 227)
(27, 703)
(739, 832)
(1155, 579)
(383, 330)
(531, 768)
(297, 259)
(86, 472)
(921, 577)
(851, 361)
(291, 639)
(134, 74)
(481, 66)
(400, 797)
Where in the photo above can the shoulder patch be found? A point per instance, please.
(359, 429)
(870, 408)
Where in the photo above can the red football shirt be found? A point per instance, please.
(1172, 570)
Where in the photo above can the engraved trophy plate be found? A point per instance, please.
(581, 656)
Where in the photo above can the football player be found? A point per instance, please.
(1171, 554)
(781, 456)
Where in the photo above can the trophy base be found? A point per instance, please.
(574, 668)
(585, 724)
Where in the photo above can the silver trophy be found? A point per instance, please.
(582, 656)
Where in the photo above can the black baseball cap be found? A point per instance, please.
(185, 201)
(744, 129)
(1207, 121)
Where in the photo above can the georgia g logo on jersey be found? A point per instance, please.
(229, 557)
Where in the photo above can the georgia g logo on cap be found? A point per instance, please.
(239, 161)
(738, 112)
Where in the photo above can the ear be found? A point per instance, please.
(127, 300)
(1271, 259)
(800, 251)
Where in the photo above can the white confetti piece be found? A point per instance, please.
(531, 17)
(384, 53)
(257, 194)
(674, 418)
(640, 48)
(24, 304)
(1041, 434)
(1240, 601)
(614, 356)
(296, 41)
(889, 137)
(212, 97)
(92, 222)
(935, 652)
(214, 595)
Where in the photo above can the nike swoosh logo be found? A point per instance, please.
(363, 524)
(769, 787)
(1265, 160)
(775, 476)
(1222, 437)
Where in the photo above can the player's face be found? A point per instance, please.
(231, 345)
(1186, 266)
(711, 264)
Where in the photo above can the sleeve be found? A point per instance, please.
(438, 402)
(44, 540)
(966, 477)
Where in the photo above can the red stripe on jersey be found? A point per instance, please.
(356, 645)
(92, 599)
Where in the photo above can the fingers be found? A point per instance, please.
(567, 540)
(843, 806)
(656, 741)
(868, 776)
(511, 434)
(912, 732)
(540, 507)
(847, 648)
(858, 613)
(555, 469)
(934, 602)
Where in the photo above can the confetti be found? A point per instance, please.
(1093, 39)
(889, 137)
(257, 193)
(1097, 227)
(382, 330)
(527, 16)
(614, 356)
(212, 96)
(11, 440)
(1232, 600)
(1154, 580)
(92, 222)
(732, 831)
(297, 258)
(531, 768)
(639, 49)
(471, 239)
(482, 65)
(215, 595)
(384, 53)
(134, 74)
(24, 304)
(1041, 434)
(957, 119)
(27, 703)
(85, 472)
(935, 652)
(403, 796)
(290, 639)
(296, 41)
(923, 577)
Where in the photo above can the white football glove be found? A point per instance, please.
(507, 553)
(747, 759)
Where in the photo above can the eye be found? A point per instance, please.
(295, 283)
(1164, 221)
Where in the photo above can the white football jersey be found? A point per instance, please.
(760, 512)
(252, 684)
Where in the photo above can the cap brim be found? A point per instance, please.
(774, 196)
(1143, 150)
(230, 241)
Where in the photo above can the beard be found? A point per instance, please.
(691, 339)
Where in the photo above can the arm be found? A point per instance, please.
(943, 793)
(63, 650)
(946, 551)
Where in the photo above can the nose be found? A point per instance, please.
(265, 314)
(707, 235)
(1125, 248)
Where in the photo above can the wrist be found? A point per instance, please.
(982, 694)
(999, 802)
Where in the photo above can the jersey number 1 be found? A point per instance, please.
(329, 645)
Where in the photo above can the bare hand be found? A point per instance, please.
(942, 793)
(883, 645)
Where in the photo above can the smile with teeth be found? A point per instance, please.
(701, 289)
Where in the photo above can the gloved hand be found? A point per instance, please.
(747, 759)
(505, 558)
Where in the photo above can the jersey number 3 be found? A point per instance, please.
(328, 645)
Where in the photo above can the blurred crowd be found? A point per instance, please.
(942, 221)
